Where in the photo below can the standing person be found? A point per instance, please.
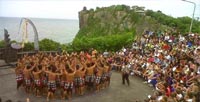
(106, 75)
(82, 83)
(125, 73)
(52, 81)
(63, 81)
(19, 76)
(27, 77)
(68, 86)
(98, 78)
(37, 79)
(90, 75)
(78, 79)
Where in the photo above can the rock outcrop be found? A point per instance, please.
(116, 19)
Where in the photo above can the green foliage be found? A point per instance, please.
(182, 24)
(91, 10)
(13, 41)
(121, 7)
(67, 47)
(116, 19)
(101, 43)
(105, 21)
(44, 44)
(97, 8)
(48, 44)
(2, 43)
(28, 46)
(134, 17)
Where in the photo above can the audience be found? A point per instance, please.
(169, 63)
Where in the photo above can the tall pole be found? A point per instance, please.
(192, 14)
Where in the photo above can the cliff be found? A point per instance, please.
(116, 19)
(111, 28)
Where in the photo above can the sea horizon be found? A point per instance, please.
(59, 30)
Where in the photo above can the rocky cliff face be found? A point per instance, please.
(117, 19)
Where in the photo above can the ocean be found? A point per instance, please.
(60, 30)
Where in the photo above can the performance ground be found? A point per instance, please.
(115, 93)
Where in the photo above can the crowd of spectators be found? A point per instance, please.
(168, 62)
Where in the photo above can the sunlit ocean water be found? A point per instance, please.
(60, 30)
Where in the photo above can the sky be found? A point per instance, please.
(68, 9)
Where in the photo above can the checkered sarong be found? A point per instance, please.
(90, 78)
(28, 82)
(68, 85)
(38, 82)
(19, 77)
(51, 85)
(98, 79)
(104, 76)
(78, 81)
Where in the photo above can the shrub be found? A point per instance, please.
(48, 44)
(101, 43)
(2, 43)
(28, 46)
(44, 44)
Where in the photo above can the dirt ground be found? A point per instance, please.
(115, 93)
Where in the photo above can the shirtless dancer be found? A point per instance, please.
(106, 75)
(82, 84)
(68, 86)
(90, 77)
(37, 79)
(98, 78)
(27, 77)
(63, 80)
(51, 81)
(19, 75)
(78, 79)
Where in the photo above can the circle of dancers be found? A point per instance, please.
(65, 74)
